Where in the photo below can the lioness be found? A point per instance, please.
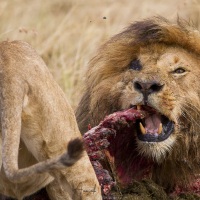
(37, 123)
(153, 65)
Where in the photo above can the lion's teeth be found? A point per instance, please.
(142, 129)
(138, 107)
(160, 128)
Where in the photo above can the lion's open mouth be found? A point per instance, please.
(155, 127)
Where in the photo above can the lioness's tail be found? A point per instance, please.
(74, 152)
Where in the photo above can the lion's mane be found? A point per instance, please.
(103, 90)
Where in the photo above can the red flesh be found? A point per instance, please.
(112, 134)
(115, 134)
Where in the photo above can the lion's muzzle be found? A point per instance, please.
(147, 88)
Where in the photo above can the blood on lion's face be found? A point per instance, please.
(153, 66)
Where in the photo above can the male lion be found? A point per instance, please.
(37, 123)
(153, 65)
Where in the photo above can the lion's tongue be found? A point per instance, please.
(152, 123)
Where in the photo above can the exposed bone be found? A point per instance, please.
(160, 128)
(143, 131)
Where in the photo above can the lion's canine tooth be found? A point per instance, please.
(160, 128)
(143, 131)
(138, 107)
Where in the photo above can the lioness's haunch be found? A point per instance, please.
(37, 125)
(154, 66)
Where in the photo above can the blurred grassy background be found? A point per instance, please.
(67, 33)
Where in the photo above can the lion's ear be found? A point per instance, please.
(82, 113)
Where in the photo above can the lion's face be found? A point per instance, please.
(163, 81)
(154, 66)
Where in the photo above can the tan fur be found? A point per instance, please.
(37, 123)
(161, 47)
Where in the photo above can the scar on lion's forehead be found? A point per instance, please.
(176, 59)
(170, 58)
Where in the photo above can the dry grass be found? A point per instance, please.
(66, 33)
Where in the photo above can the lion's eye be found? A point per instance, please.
(135, 65)
(179, 70)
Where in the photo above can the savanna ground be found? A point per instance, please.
(66, 33)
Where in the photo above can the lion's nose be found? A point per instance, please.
(147, 88)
